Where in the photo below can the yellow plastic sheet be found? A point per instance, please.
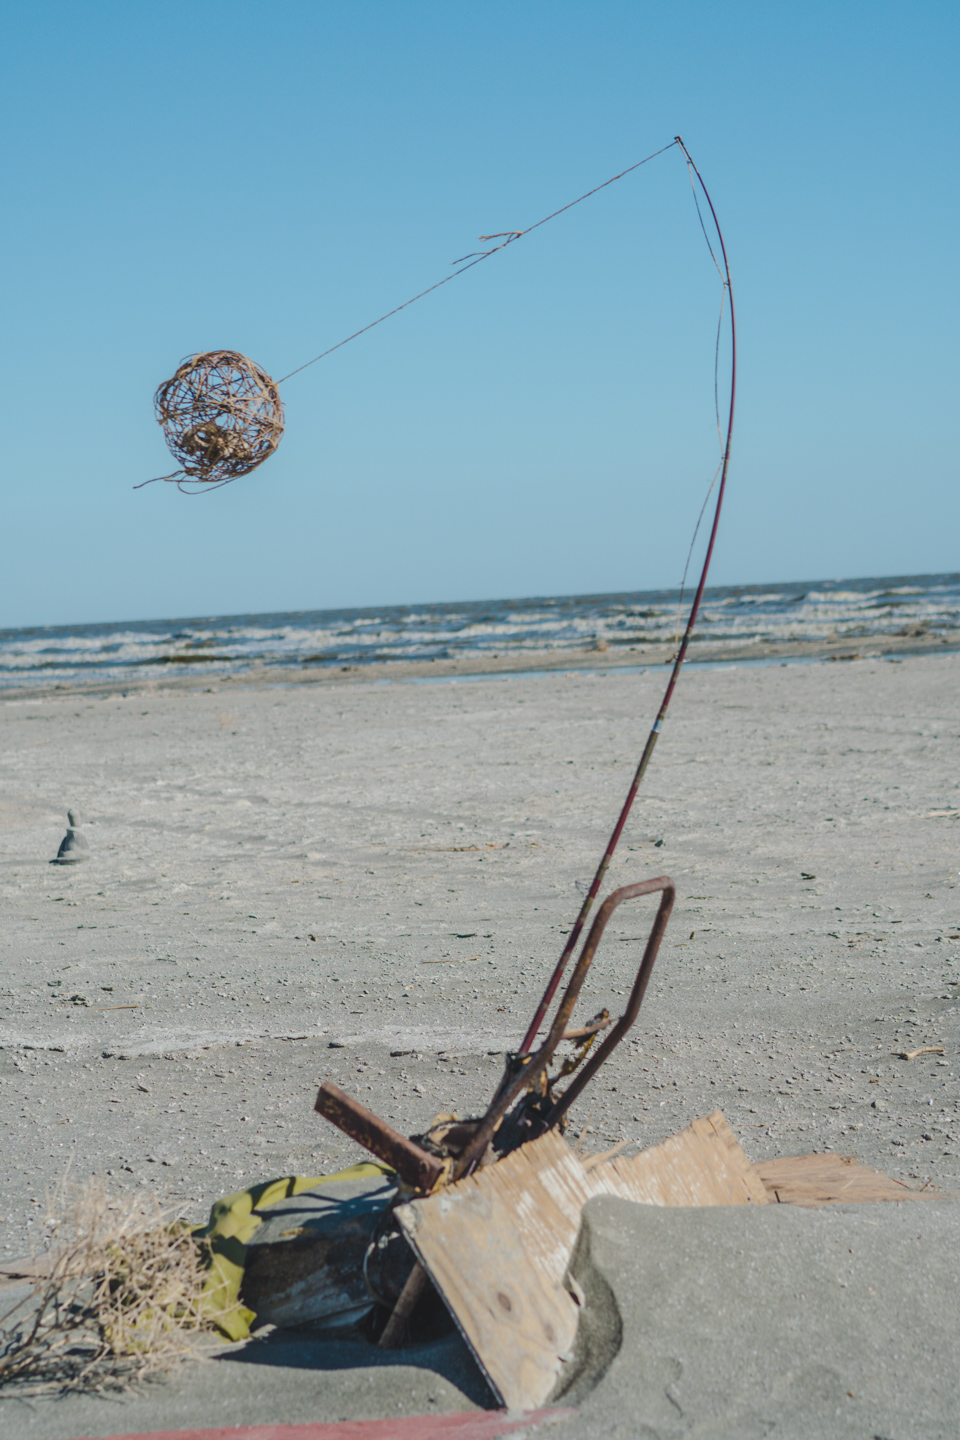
(229, 1230)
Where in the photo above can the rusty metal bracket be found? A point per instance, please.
(423, 1171)
(418, 1169)
(587, 1071)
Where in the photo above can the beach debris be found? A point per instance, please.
(497, 1245)
(416, 1167)
(122, 1289)
(527, 1102)
(913, 1054)
(117, 1297)
(218, 430)
(478, 1199)
(307, 1262)
(221, 413)
(452, 960)
(73, 846)
(815, 1180)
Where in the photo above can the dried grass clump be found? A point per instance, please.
(221, 416)
(120, 1296)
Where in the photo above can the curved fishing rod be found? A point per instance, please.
(614, 840)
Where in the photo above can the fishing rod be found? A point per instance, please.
(222, 417)
(681, 654)
(428, 1162)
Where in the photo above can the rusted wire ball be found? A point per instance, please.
(221, 416)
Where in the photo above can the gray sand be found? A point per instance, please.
(274, 872)
(737, 1323)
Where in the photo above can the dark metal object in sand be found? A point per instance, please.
(451, 1149)
(525, 1075)
(424, 1164)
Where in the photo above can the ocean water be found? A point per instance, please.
(217, 645)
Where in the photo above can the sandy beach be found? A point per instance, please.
(408, 823)
(370, 881)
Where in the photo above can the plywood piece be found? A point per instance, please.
(516, 1320)
(497, 1245)
(703, 1165)
(814, 1180)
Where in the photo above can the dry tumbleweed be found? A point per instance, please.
(221, 416)
(120, 1295)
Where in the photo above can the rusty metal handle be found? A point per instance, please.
(661, 883)
(627, 892)
(528, 1074)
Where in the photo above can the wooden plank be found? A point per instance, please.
(515, 1318)
(814, 1180)
(703, 1165)
(497, 1244)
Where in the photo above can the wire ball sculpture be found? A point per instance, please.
(221, 416)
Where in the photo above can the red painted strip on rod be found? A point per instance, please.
(459, 1425)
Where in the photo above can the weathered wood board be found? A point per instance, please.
(497, 1244)
(814, 1180)
(703, 1165)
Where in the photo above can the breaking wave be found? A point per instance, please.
(818, 611)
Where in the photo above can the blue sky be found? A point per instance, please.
(267, 178)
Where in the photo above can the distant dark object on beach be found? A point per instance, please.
(73, 846)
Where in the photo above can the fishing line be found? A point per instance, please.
(221, 413)
(478, 256)
(716, 408)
